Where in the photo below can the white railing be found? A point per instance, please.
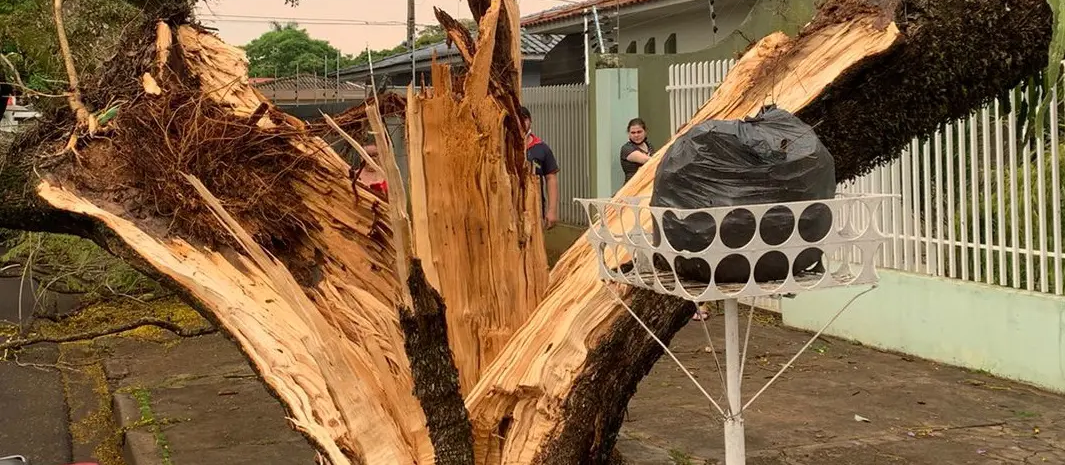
(978, 202)
(975, 201)
(690, 86)
(560, 118)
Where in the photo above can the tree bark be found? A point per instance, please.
(436, 380)
(317, 314)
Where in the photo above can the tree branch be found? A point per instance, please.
(88, 335)
(85, 118)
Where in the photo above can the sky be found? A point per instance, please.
(240, 21)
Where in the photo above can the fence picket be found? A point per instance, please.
(1055, 181)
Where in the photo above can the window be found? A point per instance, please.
(649, 47)
(632, 47)
(671, 44)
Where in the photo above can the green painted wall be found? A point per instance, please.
(1010, 333)
(766, 17)
(616, 93)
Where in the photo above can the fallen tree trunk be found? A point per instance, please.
(337, 356)
(868, 76)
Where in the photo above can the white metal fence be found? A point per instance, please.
(976, 202)
(560, 118)
(690, 85)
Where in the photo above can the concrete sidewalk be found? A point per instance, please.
(150, 397)
(197, 401)
(918, 412)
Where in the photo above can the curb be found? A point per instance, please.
(138, 448)
(138, 444)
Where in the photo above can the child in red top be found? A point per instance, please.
(370, 178)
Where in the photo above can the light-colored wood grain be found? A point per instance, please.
(475, 219)
(530, 386)
(332, 352)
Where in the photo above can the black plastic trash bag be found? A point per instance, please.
(771, 158)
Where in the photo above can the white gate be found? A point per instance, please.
(560, 118)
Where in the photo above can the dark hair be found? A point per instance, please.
(524, 113)
(636, 122)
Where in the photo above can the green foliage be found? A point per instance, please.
(71, 264)
(288, 47)
(28, 39)
(1052, 73)
(1057, 43)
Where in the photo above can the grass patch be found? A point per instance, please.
(679, 457)
(144, 403)
(98, 426)
(99, 317)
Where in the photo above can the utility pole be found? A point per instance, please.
(410, 41)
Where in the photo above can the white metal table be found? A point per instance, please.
(633, 244)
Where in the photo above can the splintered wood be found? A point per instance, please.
(527, 388)
(484, 256)
(335, 356)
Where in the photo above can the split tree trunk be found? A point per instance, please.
(333, 350)
(475, 205)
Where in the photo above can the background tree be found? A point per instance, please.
(288, 47)
(279, 51)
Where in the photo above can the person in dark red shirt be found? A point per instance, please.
(543, 160)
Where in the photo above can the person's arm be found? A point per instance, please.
(637, 156)
(552, 199)
(551, 168)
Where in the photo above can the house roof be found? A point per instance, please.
(533, 47)
(574, 9)
(305, 82)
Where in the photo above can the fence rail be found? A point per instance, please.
(560, 118)
(976, 201)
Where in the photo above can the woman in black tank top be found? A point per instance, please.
(637, 150)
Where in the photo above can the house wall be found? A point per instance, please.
(691, 25)
(1010, 333)
(767, 16)
(564, 64)
(530, 74)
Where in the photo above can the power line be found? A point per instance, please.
(269, 19)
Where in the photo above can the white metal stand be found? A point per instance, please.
(735, 441)
(623, 235)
